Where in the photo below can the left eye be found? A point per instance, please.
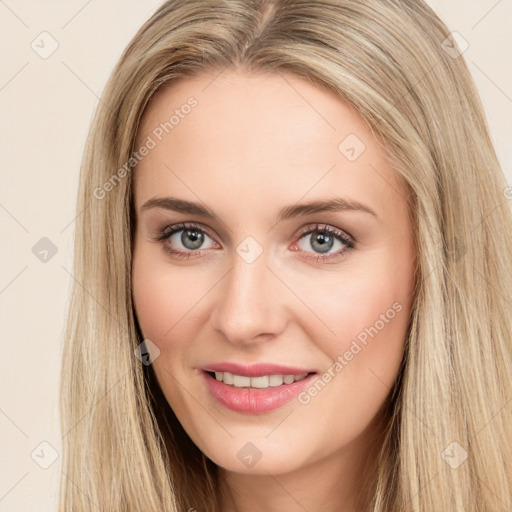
(323, 240)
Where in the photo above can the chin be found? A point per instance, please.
(257, 456)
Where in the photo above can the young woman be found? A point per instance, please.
(292, 270)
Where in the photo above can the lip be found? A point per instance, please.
(253, 400)
(256, 369)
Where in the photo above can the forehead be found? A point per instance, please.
(253, 137)
(273, 107)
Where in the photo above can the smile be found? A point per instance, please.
(255, 395)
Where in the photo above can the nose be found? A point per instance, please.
(249, 303)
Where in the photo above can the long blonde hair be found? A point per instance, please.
(447, 444)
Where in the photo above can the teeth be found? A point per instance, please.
(241, 382)
(275, 380)
(259, 382)
(226, 377)
(262, 382)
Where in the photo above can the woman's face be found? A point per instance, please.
(246, 162)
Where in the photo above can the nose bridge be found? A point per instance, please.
(246, 304)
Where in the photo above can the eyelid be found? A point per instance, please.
(320, 226)
(170, 229)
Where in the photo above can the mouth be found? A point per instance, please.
(255, 395)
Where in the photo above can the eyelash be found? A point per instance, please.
(165, 233)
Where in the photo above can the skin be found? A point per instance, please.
(256, 143)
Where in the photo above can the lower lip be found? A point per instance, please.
(255, 400)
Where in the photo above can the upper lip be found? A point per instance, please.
(256, 369)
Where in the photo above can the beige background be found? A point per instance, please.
(46, 107)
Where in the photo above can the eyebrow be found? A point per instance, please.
(334, 204)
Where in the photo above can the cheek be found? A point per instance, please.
(367, 312)
(161, 297)
(354, 302)
(153, 301)
(370, 321)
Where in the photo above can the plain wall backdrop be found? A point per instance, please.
(56, 57)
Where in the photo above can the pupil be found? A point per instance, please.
(195, 236)
(324, 240)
